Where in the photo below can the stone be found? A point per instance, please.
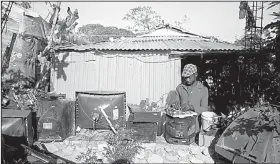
(195, 150)
(155, 159)
(66, 142)
(195, 160)
(168, 149)
(182, 153)
(184, 159)
(101, 146)
(171, 158)
(208, 152)
(142, 161)
(207, 160)
(140, 155)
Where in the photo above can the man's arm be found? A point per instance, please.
(203, 102)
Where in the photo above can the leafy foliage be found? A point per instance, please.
(97, 33)
(88, 157)
(144, 18)
(25, 4)
(121, 146)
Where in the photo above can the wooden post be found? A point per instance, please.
(7, 55)
(50, 41)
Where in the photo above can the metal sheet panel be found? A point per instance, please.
(141, 76)
(159, 43)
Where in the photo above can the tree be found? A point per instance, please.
(275, 29)
(26, 5)
(97, 33)
(179, 23)
(255, 41)
(143, 18)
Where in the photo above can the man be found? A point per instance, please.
(192, 94)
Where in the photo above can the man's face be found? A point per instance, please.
(189, 80)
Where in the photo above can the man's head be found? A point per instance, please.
(189, 74)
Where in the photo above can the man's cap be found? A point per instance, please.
(188, 70)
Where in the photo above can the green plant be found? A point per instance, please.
(88, 157)
(270, 116)
(121, 146)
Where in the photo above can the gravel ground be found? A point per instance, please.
(158, 152)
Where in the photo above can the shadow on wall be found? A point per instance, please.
(60, 65)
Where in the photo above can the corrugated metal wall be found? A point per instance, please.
(132, 72)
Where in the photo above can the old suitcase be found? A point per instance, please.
(56, 119)
(17, 123)
(144, 125)
(88, 106)
(142, 116)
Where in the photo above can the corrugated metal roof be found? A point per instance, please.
(159, 43)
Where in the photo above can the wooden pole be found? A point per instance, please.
(7, 55)
(50, 42)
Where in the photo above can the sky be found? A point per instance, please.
(218, 19)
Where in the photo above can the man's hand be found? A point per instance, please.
(187, 107)
(176, 105)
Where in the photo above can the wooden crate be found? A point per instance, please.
(143, 131)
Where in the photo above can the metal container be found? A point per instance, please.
(88, 104)
(180, 130)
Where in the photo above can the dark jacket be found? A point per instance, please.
(197, 96)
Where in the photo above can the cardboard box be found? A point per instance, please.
(17, 123)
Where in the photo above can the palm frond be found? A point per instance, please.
(272, 4)
(272, 25)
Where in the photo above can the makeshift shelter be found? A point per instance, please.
(32, 31)
(147, 66)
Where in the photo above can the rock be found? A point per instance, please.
(195, 160)
(140, 155)
(208, 152)
(101, 147)
(182, 153)
(207, 160)
(170, 157)
(60, 161)
(142, 161)
(184, 159)
(66, 142)
(155, 159)
(168, 149)
(195, 150)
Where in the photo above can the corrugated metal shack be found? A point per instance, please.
(143, 67)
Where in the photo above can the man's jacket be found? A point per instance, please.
(196, 96)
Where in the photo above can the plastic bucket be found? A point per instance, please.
(207, 120)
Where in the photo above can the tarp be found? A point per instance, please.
(31, 40)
